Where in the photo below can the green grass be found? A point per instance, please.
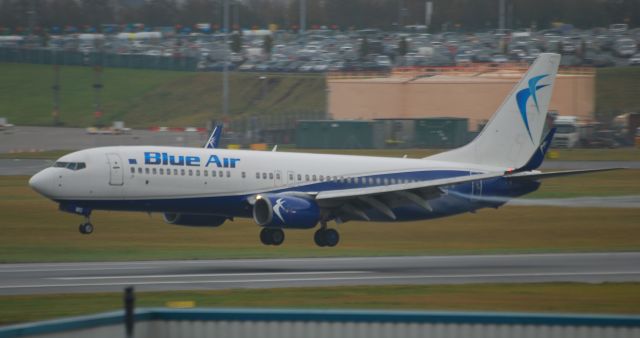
(617, 91)
(621, 154)
(620, 298)
(34, 230)
(150, 97)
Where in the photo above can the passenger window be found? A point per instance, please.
(197, 172)
(228, 173)
(182, 172)
(221, 173)
(314, 178)
(154, 171)
(213, 173)
(175, 172)
(161, 171)
(168, 172)
(133, 170)
(270, 176)
(244, 174)
(290, 177)
(258, 175)
(264, 176)
(299, 177)
(190, 172)
(205, 173)
(146, 171)
(139, 170)
(306, 177)
(277, 176)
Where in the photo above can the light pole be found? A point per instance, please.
(225, 72)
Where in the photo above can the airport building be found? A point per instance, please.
(463, 92)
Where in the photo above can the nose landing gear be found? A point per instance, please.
(86, 228)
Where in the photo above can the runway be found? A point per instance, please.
(48, 278)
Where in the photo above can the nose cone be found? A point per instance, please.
(40, 183)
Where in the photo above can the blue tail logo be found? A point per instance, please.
(523, 96)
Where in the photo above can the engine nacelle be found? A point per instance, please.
(285, 211)
(194, 220)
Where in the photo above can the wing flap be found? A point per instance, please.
(377, 190)
(538, 175)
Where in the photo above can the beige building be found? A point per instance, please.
(474, 95)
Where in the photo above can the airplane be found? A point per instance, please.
(282, 191)
(214, 139)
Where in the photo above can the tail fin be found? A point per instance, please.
(513, 133)
(538, 156)
(214, 139)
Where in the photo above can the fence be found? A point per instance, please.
(74, 58)
(236, 323)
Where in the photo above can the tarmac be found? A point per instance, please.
(49, 278)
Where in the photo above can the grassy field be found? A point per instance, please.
(150, 97)
(621, 298)
(617, 91)
(621, 154)
(33, 230)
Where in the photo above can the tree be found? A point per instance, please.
(236, 42)
(364, 48)
(403, 47)
(267, 44)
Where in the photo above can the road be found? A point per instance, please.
(43, 278)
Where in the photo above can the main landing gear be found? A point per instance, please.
(271, 236)
(86, 228)
(326, 237)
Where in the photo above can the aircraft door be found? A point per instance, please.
(116, 171)
(291, 178)
(277, 179)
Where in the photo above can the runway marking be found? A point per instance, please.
(401, 277)
(212, 275)
(97, 265)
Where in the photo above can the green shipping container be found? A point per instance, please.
(335, 134)
(441, 132)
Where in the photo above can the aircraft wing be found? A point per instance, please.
(536, 175)
(348, 203)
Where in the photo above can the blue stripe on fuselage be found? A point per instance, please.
(237, 205)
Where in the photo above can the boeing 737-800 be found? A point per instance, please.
(280, 190)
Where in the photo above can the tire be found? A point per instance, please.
(331, 237)
(277, 236)
(318, 237)
(265, 236)
(86, 228)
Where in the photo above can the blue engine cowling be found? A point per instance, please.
(194, 220)
(285, 211)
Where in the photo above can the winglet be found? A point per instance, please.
(538, 156)
(214, 139)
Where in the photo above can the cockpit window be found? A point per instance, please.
(70, 165)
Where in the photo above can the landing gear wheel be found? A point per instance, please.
(331, 237)
(86, 228)
(277, 236)
(265, 236)
(318, 237)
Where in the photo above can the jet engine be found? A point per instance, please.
(194, 220)
(285, 211)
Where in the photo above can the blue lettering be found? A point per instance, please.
(172, 160)
(152, 158)
(233, 162)
(214, 159)
(193, 160)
